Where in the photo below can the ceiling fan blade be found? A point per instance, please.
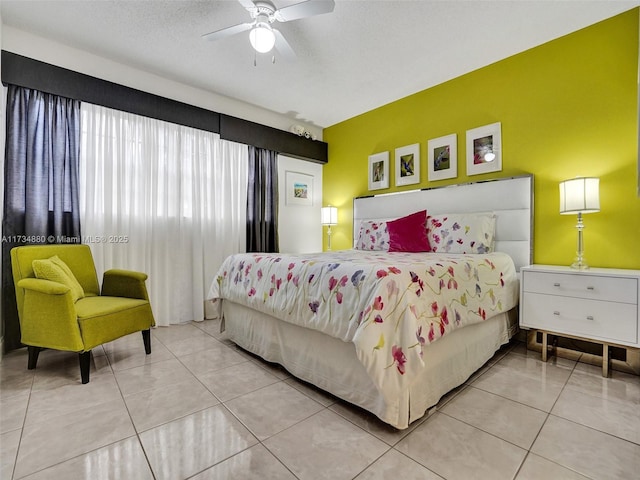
(248, 4)
(283, 47)
(227, 32)
(305, 9)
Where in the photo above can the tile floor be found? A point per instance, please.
(198, 407)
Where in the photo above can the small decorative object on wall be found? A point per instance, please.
(408, 164)
(379, 171)
(301, 132)
(299, 188)
(443, 157)
(484, 149)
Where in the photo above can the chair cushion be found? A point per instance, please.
(98, 305)
(103, 319)
(56, 270)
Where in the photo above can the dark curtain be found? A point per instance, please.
(262, 201)
(40, 183)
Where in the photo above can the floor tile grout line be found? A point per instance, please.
(133, 425)
(594, 429)
(522, 464)
(75, 457)
(24, 421)
(472, 384)
(548, 414)
(416, 461)
(279, 460)
(509, 399)
(488, 433)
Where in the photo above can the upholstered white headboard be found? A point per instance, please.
(510, 198)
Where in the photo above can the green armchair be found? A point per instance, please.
(67, 313)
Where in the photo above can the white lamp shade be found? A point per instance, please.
(329, 216)
(262, 38)
(580, 195)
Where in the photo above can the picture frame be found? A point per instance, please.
(484, 149)
(408, 165)
(379, 171)
(442, 154)
(299, 188)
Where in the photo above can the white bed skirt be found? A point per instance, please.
(332, 364)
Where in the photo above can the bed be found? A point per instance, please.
(391, 332)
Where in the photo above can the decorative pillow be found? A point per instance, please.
(56, 270)
(462, 232)
(373, 236)
(409, 234)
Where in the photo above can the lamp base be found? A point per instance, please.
(580, 264)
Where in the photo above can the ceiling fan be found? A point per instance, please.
(262, 35)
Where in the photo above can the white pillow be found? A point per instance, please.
(462, 232)
(373, 236)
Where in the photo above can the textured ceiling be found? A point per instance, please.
(361, 56)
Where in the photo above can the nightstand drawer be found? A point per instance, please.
(613, 289)
(589, 318)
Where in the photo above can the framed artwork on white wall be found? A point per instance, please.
(299, 188)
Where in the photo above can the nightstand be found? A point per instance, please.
(598, 305)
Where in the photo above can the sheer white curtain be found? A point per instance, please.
(163, 199)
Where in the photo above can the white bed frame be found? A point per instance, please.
(332, 364)
(509, 198)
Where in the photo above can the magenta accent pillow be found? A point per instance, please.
(409, 234)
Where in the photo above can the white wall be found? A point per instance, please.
(39, 48)
(299, 229)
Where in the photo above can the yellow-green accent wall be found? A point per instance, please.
(568, 108)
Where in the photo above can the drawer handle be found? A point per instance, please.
(589, 317)
(556, 284)
(556, 313)
(590, 288)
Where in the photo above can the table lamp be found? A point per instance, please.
(329, 217)
(577, 196)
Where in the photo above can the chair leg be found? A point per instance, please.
(146, 338)
(85, 365)
(33, 356)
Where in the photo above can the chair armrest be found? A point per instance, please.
(43, 286)
(49, 317)
(124, 283)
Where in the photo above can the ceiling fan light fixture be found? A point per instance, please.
(262, 37)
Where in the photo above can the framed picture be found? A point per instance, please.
(299, 188)
(443, 157)
(408, 164)
(379, 171)
(484, 149)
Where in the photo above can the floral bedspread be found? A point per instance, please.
(390, 305)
